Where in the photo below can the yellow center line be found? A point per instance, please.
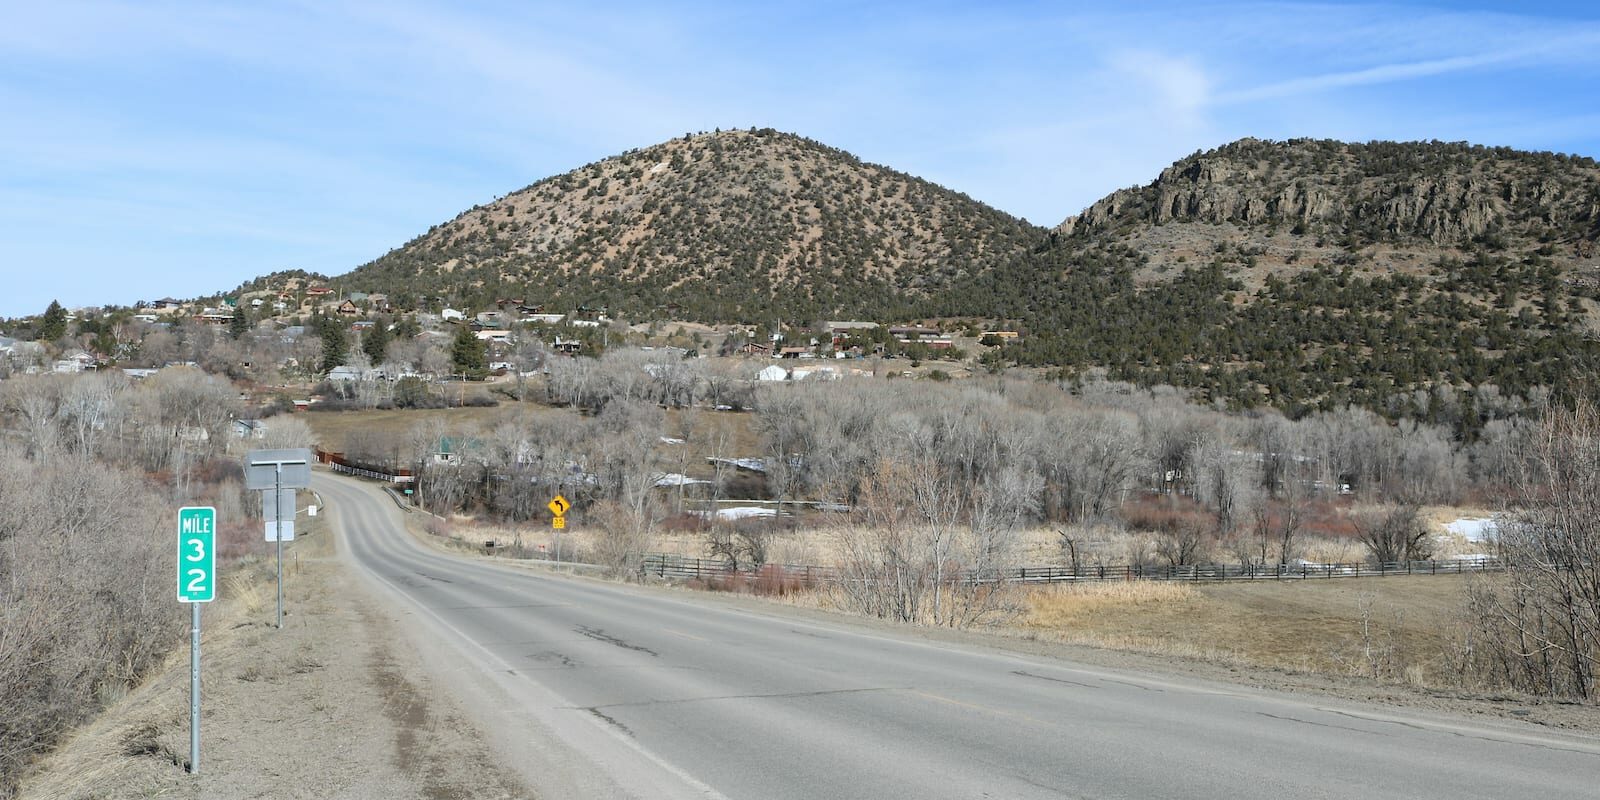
(976, 707)
(685, 635)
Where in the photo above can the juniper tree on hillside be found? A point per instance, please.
(468, 355)
(335, 345)
(376, 343)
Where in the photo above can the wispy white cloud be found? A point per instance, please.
(1581, 48)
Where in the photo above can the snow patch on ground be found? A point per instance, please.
(1473, 529)
(742, 512)
(676, 479)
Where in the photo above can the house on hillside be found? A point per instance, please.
(344, 373)
(912, 333)
(452, 449)
(590, 314)
(451, 315)
(74, 361)
(249, 429)
(348, 309)
(815, 374)
(840, 332)
(495, 336)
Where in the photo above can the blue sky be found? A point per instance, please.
(169, 148)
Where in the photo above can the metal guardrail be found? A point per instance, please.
(361, 472)
(345, 466)
(687, 568)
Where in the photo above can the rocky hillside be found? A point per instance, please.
(1316, 274)
(1383, 205)
(1448, 195)
(726, 226)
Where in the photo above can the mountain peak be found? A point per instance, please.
(733, 225)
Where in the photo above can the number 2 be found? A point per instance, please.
(197, 581)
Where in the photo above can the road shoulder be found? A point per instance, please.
(328, 707)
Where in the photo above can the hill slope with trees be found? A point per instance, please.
(1417, 279)
(796, 230)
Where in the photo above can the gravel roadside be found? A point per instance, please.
(328, 707)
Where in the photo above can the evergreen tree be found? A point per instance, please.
(240, 324)
(376, 343)
(468, 355)
(53, 325)
(406, 327)
(335, 345)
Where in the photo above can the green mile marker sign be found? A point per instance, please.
(197, 557)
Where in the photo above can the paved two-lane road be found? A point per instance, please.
(598, 690)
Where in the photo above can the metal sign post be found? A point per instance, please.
(197, 584)
(274, 471)
(558, 506)
(277, 489)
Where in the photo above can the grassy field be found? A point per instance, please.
(1398, 628)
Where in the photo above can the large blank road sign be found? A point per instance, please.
(282, 509)
(197, 554)
(261, 469)
(277, 508)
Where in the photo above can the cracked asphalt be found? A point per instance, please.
(591, 689)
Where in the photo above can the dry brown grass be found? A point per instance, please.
(1311, 625)
(1066, 605)
(331, 428)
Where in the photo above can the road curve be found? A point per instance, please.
(599, 690)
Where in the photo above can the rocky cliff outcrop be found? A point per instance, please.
(1449, 195)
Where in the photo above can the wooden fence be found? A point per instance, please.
(686, 568)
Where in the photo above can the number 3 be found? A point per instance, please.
(199, 550)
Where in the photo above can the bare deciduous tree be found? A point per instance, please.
(1392, 534)
(1541, 624)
